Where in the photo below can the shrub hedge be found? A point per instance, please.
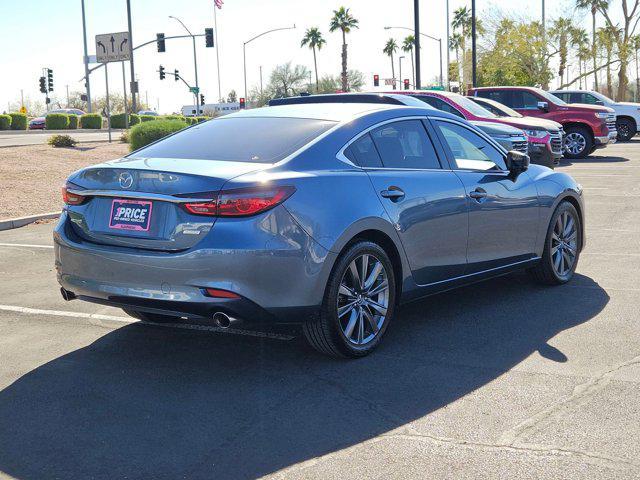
(56, 121)
(73, 121)
(149, 132)
(148, 118)
(5, 122)
(92, 121)
(117, 120)
(18, 121)
(174, 117)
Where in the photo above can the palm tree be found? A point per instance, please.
(455, 44)
(606, 39)
(561, 31)
(342, 20)
(390, 48)
(313, 38)
(580, 41)
(462, 22)
(407, 46)
(593, 6)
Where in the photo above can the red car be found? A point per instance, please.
(545, 138)
(38, 123)
(586, 127)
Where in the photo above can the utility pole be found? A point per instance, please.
(473, 44)
(260, 80)
(416, 29)
(124, 89)
(86, 59)
(447, 47)
(215, 26)
(21, 98)
(133, 71)
(67, 95)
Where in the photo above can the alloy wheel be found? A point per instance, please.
(575, 143)
(363, 299)
(564, 244)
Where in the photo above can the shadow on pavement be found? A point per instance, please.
(565, 162)
(150, 402)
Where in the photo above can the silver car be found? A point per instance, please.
(326, 215)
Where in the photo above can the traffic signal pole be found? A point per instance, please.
(86, 60)
(416, 28)
(133, 71)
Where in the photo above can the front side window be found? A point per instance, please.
(470, 151)
(239, 139)
(500, 96)
(524, 100)
(563, 96)
(405, 144)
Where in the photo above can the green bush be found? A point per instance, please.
(174, 117)
(134, 119)
(61, 141)
(92, 121)
(73, 121)
(5, 122)
(56, 121)
(117, 120)
(149, 132)
(148, 118)
(18, 121)
(202, 119)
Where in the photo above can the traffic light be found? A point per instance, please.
(201, 99)
(43, 85)
(162, 74)
(406, 84)
(50, 79)
(376, 80)
(208, 35)
(242, 103)
(160, 42)
(176, 74)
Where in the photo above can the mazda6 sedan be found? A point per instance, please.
(324, 215)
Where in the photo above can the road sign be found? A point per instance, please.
(194, 90)
(23, 109)
(112, 47)
(436, 87)
(389, 81)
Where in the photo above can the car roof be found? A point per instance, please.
(337, 112)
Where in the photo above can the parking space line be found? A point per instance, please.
(128, 320)
(24, 245)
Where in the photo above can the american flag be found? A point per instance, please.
(218, 3)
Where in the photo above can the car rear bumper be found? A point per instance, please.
(279, 273)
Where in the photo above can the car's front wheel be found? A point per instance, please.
(562, 247)
(626, 129)
(359, 303)
(577, 142)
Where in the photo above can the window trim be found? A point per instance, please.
(443, 167)
(449, 153)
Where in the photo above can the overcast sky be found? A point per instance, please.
(48, 33)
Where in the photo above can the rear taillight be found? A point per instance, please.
(242, 202)
(71, 198)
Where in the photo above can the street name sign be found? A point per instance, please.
(112, 47)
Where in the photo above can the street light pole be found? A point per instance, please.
(86, 59)
(400, 70)
(447, 47)
(244, 52)
(473, 44)
(439, 40)
(195, 62)
(133, 71)
(416, 22)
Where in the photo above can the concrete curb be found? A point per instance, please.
(10, 223)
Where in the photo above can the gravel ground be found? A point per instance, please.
(31, 176)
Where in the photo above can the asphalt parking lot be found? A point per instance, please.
(503, 379)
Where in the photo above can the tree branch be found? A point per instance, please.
(586, 74)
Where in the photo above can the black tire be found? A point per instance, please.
(583, 135)
(544, 272)
(626, 129)
(325, 332)
(151, 317)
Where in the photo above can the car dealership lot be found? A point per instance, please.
(501, 379)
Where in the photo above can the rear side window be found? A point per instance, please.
(363, 152)
(405, 144)
(239, 139)
(439, 104)
(563, 96)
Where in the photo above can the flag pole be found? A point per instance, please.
(215, 25)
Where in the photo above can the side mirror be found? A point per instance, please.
(517, 162)
(544, 106)
(600, 102)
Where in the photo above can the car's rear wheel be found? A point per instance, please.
(626, 129)
(577, 142)
(359, 303)
(561, 248)
(151, 317)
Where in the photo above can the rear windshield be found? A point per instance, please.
(239, 139)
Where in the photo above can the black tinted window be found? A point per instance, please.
(363, 152)
(470, 151)
(439, 105)
(524, 100)
(564, 96)
(240, 139)
(405, 144)
(500, 96)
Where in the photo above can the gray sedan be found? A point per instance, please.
(325, 215)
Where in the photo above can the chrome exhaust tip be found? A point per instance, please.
(67, 295)
(222, 320)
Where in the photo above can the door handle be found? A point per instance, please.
(393, 193)
(478, 194)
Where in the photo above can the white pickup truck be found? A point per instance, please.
(627, 113)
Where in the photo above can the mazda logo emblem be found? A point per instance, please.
(125, 179)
